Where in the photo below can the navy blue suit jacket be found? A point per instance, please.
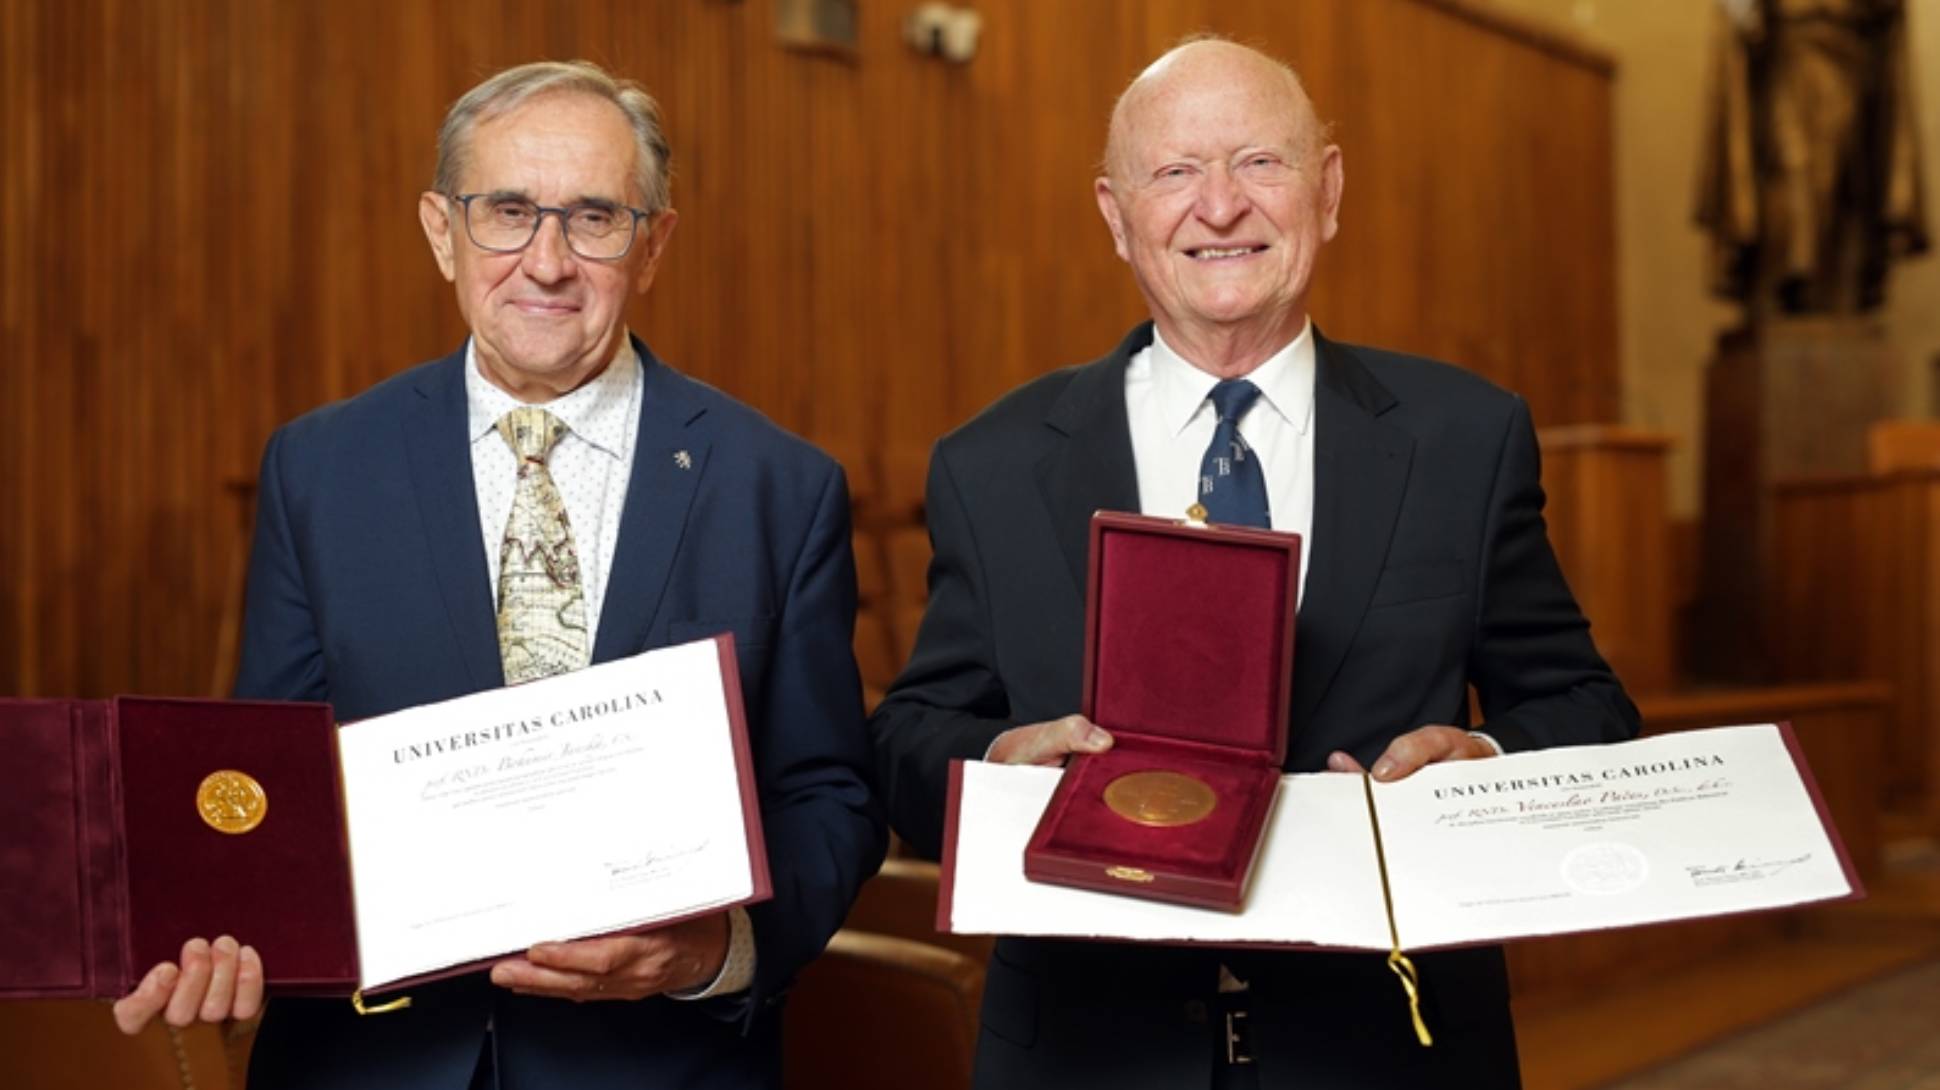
(1430, 571)
(368, 588)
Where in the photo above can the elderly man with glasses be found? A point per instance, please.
(548, 496)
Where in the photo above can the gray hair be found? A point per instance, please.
(515, 86)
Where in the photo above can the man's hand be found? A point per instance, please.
(684, 957)
(1420, 746)
(217, 981)
(1048, 743)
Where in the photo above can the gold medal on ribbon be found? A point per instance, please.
(1162, 799)
(231, 802)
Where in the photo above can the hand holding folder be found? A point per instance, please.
(216, 981)
(616, 801)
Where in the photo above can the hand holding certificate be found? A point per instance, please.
(597, 801)
(1672, 827)
(614, 799)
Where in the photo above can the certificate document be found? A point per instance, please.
(609, 799)
(1673, 827)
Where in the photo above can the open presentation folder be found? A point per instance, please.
(1673, 827)
(376, 854)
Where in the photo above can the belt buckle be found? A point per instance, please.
(1238, 1041)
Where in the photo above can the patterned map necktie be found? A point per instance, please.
(541, 608)
(1231, 486)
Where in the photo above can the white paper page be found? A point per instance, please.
(1314, 882)
(1673, 827)
(584, 803)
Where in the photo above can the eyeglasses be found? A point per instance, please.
(595, 230)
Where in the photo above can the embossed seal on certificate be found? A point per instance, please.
(1160, 798)
(1605, 867)
(231, 801)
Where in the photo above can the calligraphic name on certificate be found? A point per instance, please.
(597, 801)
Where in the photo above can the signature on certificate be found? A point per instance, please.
(1741, 870)
(652, 864)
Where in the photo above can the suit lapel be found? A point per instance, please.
(1092, 469)
(669, 458)
(1360, 473)
(440, 459)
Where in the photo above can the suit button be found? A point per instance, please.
(1195, 1011)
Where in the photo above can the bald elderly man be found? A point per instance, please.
(1427, 569)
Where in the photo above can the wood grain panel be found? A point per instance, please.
(1609, 521)
(1858, 596)
(211, 229)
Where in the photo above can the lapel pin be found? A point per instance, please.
(683, 459)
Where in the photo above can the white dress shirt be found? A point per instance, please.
(591, 466)
(1172, 422)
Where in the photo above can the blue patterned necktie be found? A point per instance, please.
(1231, 487)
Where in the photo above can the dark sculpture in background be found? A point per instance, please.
(1810, 185)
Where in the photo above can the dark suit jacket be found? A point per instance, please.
(1430, 570)
(368, 589)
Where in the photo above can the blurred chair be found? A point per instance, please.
(877, 1012)
(901, 901)
(74, 1045)
(906, 555)
(1903, 444)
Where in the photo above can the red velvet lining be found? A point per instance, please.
(1190, 637)
(284, 886)
(43, 942)
(1218, 847)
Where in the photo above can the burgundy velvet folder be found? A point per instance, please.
(1188, 662)
(106, 865)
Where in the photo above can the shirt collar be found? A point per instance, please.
(1285, 379)
(596, 412)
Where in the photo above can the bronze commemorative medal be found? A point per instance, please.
(1160, 798)
(231, 801)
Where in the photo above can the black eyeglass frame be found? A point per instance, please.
(565, 225)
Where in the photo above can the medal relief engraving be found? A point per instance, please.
(231, 801)
(1162, 799)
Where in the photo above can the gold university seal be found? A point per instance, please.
(1160, 798)
(231, 801)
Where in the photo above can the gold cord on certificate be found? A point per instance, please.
(1398, 962)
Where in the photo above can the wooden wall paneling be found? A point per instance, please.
(869, 252)
(1902, 633)
(1823, 607)
(1463, 187)
(1919, 660)
(1608, 519)
(1903, 444)
(21, 140)
(1857, 561)
(1041, 287)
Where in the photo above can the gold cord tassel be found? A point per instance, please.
(357, 1004)
(1398, 962)
(1410, 983)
